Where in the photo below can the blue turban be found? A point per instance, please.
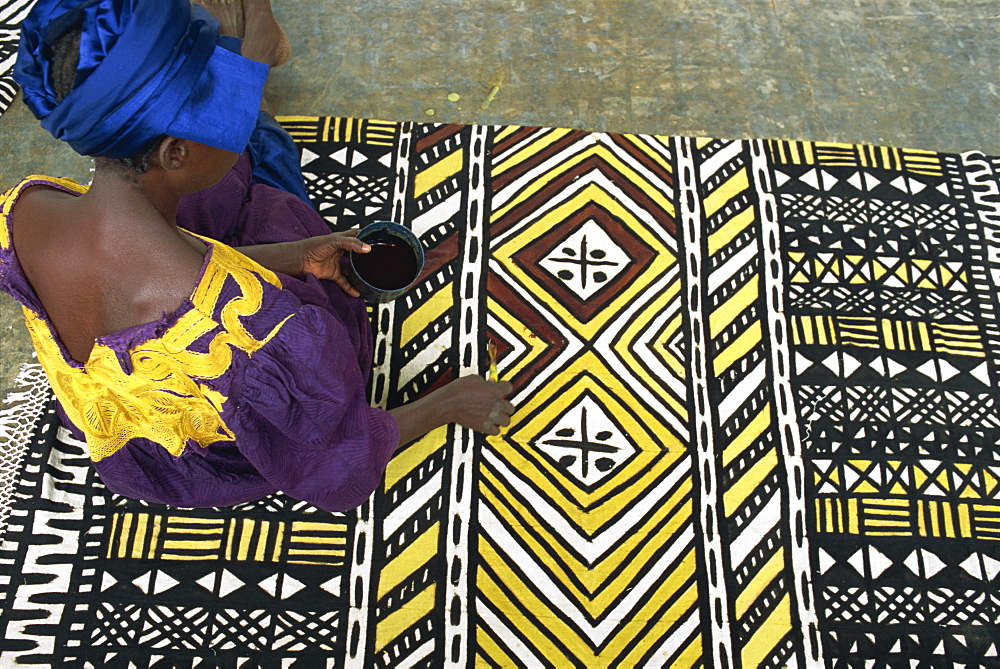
(147, 68)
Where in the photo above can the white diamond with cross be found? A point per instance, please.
(585, 442)
(586, 260)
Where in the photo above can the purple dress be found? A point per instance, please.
(255, 384)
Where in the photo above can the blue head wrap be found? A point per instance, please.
(147, 68)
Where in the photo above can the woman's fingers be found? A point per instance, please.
(344, 242)
(346, 286)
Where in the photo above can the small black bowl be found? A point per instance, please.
(393, 264)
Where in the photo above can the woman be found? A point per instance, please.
(198, 374)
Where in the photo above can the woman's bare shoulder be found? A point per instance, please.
(96, 273)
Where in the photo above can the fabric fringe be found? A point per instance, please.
(19, 413)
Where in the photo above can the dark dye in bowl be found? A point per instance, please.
(390, 265)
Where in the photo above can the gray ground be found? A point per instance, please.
(910, 73)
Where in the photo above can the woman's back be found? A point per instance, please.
(98, 269)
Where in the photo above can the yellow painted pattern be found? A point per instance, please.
(134, 535)
(505, 132)
(304, 128)
(745, 485)
(537, 145)
(534, 344)
(645, 148)
(316, 542)
(728, 311)
(191, 538)
(912, 518)
(957, 338)
(650, 617)
(834, 154)
(738, 348)
(728, 231)
(984, 521)
(684, 605)
(138, 536)
(590, 509)
(414, 455)
(795, 153)
(675, 365)
(733, 186)
(691, 655)
(767, 636)
(892, 272)
(380, 133)
(438, 173)
(613, 161)
(809, 330)
(404, 617)
(887, 517)
(900, 479)
(330, 129)
(409, 560)
(893, 334)
(591, 193)
(758, 585)
(489, 653)
(747, 435)
(593, 587)
(248, 539)
(736, 301)
(858, 331)
(432, 309)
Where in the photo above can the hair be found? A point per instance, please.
(63, 79)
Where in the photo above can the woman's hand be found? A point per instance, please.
(321, 257)
(470, 401)
(479, 404)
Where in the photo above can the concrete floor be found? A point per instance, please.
(911, 73)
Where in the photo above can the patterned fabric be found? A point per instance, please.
(12, 12)
(756, 426)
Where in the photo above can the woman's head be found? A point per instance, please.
(143, 69)
(65, 55)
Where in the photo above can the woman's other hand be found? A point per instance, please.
(321, 257)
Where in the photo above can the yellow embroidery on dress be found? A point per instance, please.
(230, 263)
(163, 399)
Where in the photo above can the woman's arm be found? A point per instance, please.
(470, 401)
(319, 256)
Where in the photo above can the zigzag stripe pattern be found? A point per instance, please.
(562, 573)
(70, 459)
(742, 493)
(429, 348)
